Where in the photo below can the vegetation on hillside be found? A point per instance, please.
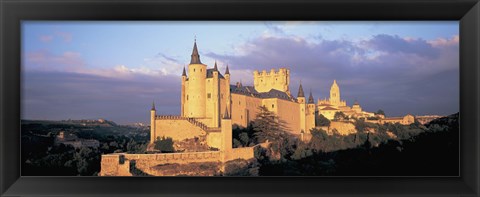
(41, 156)
(383, 150)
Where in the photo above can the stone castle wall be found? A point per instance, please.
(178, 128)
(264, 81)
(112, 164)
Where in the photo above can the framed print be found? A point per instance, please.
(248, 98)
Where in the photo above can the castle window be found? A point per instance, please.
(187, 97)
(273, 105)
(238, 102)
(209, 95)
(200, 70)
(194, 70)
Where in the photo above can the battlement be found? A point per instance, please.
(281, 71)
(265, 81)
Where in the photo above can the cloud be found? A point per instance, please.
(78, 96)
(65, 36)
(396, 44)
(44, 60)
(384, 71)
(70, 61)
(46, 38)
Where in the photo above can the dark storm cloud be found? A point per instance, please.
(395, 44)
(385, 72)
(61, 95)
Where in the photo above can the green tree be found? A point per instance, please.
(380, 112)
(340, 116)
(268, 126)
(164, 145)
(321, 120)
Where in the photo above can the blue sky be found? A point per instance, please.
(113, 70)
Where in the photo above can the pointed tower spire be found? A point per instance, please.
(215, 67)
(225, 115)
(310, 98)
(195, 57)
(300, 91)
(153, 106)
(184, 73)
(227, 72)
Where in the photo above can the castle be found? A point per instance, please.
(210, 106)
(207, 97)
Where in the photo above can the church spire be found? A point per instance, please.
(184, 73)
(300, 91)
(215, 67)
(195, 57)
(227, 72)
(310, 98)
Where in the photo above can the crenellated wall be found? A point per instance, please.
(265, 81)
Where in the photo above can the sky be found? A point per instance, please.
(115, 70)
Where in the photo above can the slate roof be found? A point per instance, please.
(250, 91)
(329, 108)
(210, 73)
(300, 91)
(195, 56)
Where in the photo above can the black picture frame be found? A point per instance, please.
(12, 12)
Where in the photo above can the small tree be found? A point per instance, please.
(164, 145)
(269, 127)
(340, 116)
(321, 120)
(380, 112)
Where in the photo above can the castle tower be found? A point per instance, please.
(301, 101)
(153, 114)
(310, 115)
(335, 94)
(227, 85)
(183, 101)
(195, 94)
(216, 97)
(265, 81)
(226, 147)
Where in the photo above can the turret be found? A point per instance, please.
(301, 95)
(310, 115)
(301, 101)
(196, 94)
(227, 84)
(184, 79)
(310, 98)
(153, 114)
(216, 97)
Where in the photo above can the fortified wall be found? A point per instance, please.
(181, 128)
(121, 164)
(279, 80)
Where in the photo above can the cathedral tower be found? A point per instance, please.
(195, 94)
(335, 94)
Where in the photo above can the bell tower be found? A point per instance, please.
(335, 93)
